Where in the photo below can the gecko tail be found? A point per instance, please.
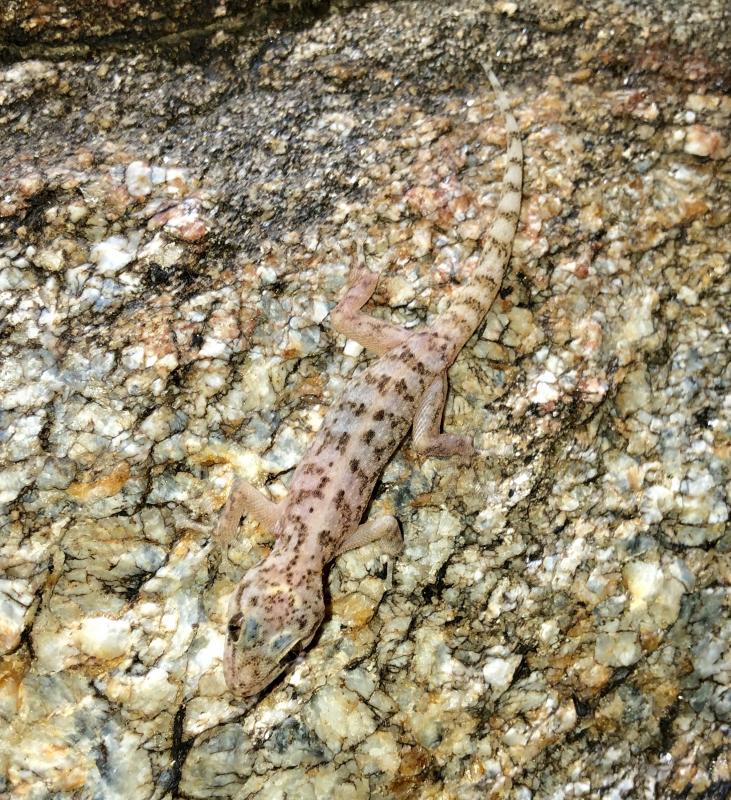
(470, 303)
(502, 231)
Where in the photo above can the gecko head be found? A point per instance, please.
(270, 622)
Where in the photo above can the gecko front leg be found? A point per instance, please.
(245, 498)
(427, 436)
(384, 529)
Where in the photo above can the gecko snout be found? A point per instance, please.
(269, 626)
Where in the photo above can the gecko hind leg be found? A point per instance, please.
(384, 529)
(427, 437)
(348, 319)
(245, 498)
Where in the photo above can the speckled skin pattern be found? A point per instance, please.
(277, 608)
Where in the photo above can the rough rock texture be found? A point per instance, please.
(71, 25)
(176, 220)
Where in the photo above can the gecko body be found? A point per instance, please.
(278, 606)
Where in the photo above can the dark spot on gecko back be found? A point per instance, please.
(403, 389)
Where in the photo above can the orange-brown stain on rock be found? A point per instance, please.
(356, 609)
(415, 761)
(106, 486)
(12, 670)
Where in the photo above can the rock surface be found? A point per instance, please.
(177, 218)
(73, 25)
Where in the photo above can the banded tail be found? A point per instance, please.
(470, 303)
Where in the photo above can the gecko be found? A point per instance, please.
(277, 608)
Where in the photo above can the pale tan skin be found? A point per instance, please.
(278, 607)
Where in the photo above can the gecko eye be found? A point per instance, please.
(291, 656)
(234, 626)
(251, 630)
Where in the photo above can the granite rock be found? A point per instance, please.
(178, 217)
